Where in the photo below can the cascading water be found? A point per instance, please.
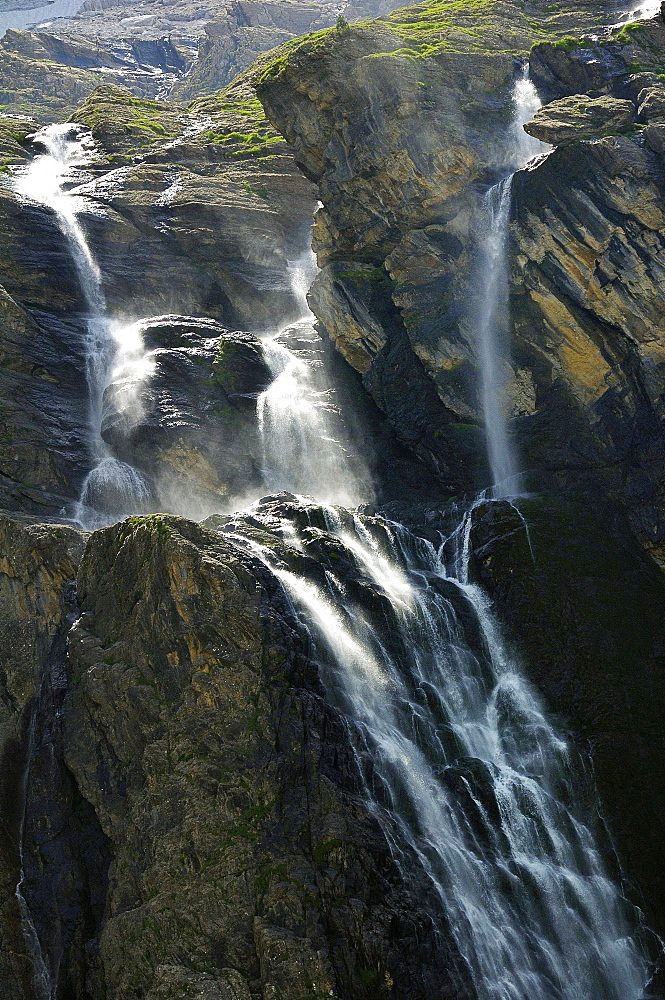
(643, 12)
(468, 778)
(112, 488)
(302, 435)
(492, 317)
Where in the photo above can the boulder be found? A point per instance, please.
(185, 414)
(573, 119)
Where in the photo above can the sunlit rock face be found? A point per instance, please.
(402, 146)
(588, 275)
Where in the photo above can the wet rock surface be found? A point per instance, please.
(583, 606)
(189, 425)
(204, 216)
(243, 860)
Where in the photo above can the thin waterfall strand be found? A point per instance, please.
(469, 780)
(493, 316)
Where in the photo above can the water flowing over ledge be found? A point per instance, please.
(112, 489)
(462, 769)
(492, 316)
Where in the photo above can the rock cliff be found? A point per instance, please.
(401, 170)
(194, 211)
(184, 804)
(226, 798)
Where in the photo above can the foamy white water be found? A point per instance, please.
(305, 444)
(640, 12)
(469, 780)
(112, 489)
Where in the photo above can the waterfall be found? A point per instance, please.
(492, 317)
(112, 489)
(645, 11)
(462, 769)
(304, 444)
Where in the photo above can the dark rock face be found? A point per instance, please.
(583, 606)
(44, 403)
(53, 854)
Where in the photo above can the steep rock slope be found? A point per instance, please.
(401, 168)
(244, 863)
(207, 830)
(204, 212)
(46, 831)
(589, 242)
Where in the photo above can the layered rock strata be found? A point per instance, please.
(401, 171)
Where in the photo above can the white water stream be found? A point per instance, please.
(641, 12)
(468, 778)
(305, 445)
(112, 489)
(492, 319)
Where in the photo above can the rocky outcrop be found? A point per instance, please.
(599, 64)
(400, 172)
(156, 48)
(588, 237)
(188, 420)
(573, 119)
(247, 28)
(209, 830)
